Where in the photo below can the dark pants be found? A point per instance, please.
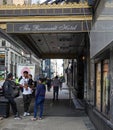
(48, 87)
(13, 105)
(27, 101)
(39, 102)
(55, 92)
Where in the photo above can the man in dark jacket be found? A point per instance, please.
(8, 90)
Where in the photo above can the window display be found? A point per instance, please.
(2, 65)
(106, 88)
(103, 87)
(98, 86)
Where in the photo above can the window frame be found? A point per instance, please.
(101, 59)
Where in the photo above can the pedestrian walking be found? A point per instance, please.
(48, 82)
(8, 91)
(39, 99)
(27, 93)
(55, 85)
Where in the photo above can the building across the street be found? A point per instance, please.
(16, 2)
(11, 55)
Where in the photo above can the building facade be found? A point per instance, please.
(11, 55)
(100, 89)
(46, 68)
(91, 74)
(16, 2)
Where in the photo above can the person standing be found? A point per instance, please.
(30, 81)
(39, 99)
(31, 85)
(55, 85)
(48, 84)
(27, 93)
(8, 91)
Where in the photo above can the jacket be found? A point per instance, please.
(56, 82)
(40, 90)
(8, 88)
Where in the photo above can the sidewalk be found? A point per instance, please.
(61, 115)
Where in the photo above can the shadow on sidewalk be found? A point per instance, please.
(62, 107)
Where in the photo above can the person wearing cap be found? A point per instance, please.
(27, 93)
(8, 90)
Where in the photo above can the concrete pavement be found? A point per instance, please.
(61, 115)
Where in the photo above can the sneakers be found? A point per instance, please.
(26, 114)
(1, 118)
(39, 118)
(33, 119)
(17, 118)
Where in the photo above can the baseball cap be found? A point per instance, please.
(9, 75)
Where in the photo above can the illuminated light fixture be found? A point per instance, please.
(83, 58)
(22, 53)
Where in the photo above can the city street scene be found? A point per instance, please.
(58, 115)
(56, 64)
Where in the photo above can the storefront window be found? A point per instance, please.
(106, 88)
(103, 87)
(11, 57)
(2, 65)
(98, 86)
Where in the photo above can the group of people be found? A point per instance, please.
(27, 86)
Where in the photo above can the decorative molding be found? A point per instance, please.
(45, 18)
(45, 6)
(3, 26)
